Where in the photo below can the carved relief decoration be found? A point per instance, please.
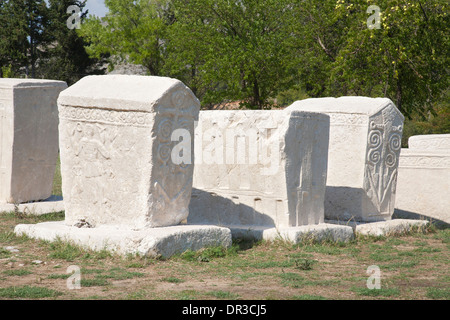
(384, 144)
(172, 185)
(425, 161)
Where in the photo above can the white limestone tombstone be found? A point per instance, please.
(423, 187)
(116, 143)
(28, 138)
(432, 142)
(365, 143)
(125, 189)
(260, 168)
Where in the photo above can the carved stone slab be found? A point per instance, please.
(116, 143)
(150, 242)
(432, 142)
(260, 168)
(365, 142)
(28, 138)
(423, 186)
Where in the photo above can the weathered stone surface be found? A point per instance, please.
(116, 143)
(390, 228)
(50, 205)
(316, 233)
(364, 147)
(431, 142)
(423, 187)
(265, 168)
(152, 242)
(28, 138)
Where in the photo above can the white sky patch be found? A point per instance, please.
(96, 8)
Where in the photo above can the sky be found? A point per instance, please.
(96, 7)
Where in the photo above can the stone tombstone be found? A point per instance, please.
(259, 168)
(28, 138)
(116, 139)
(432, 142)
(423, 187)
(365, 143)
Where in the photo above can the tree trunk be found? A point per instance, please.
(256, 96)
(399, 98)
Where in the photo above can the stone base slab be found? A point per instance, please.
(389, 228)
(319, 232)
(331, 230)
(154, 242)
(52, 204)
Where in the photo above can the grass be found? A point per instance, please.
(208, 254)
(382, 292)
(28, 292)
(68, 251)
(223, 295)
(96, 282)
(413, 266)
(17, 272)
(438, 293)
(308, 297)
(172, 280)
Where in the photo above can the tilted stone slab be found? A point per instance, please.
(116, 144)
(365, 142)
(259, 168)
(423, 187)
(28, 138)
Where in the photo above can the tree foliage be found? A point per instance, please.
(35, 40)
(247, 50)
(132, 31)
(21, 37)
(236, 49)
(66, 58)
(406, 59)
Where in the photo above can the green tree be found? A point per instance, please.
(233, 49)
(66, 57)
(252, 50)
(22, 36)
(132, 31)
(405, 59)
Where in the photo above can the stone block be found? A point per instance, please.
(259, 168)
(117, 139)
(28, 138)
(364, 148)
(49, 205)
(423, 187)
(390, 228)
(312, 233)
(151, 242)
(431, 142)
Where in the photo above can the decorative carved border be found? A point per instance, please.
(135, 118)
(425, 161)
(346, 119)
(440, 143)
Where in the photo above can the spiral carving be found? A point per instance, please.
(374, 156)
(395, 142)
(164, 152)
(178, 98)
(391, 160)
(375, 139)
(165, 129)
